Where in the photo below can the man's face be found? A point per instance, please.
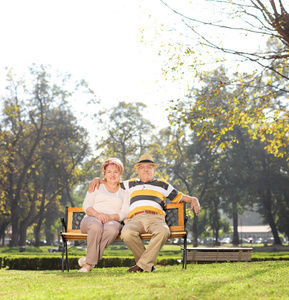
(146, 172)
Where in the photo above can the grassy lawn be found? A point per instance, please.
(253, 280)
(242, 280)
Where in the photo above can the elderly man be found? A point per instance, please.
(147, 201)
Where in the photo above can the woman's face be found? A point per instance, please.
(112, 174)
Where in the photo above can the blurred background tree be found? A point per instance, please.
(42, 149)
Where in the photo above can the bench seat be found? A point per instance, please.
(78, 236)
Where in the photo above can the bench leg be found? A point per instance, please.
(185, 253)
(63, 247)
(66, 257)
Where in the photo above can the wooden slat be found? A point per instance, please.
(218, 254)
(72, 210)
(180, 207)
(177, 234)
(75, 209)
(75, 236)
(72, 236)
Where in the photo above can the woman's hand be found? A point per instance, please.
(103, 217)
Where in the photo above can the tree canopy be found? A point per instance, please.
(258, 95)
(42, 149)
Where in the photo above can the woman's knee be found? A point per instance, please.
(94, 226)
(112, 228)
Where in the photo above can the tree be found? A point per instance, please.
(244, 173)
(60, 159)
(127, 134)
(42, 147)
(260, 100)
(258, 18)
(268, 19)
(268, 184)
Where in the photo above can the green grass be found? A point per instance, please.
(265, 277)
(253, 280)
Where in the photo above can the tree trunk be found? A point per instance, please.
(2, 232)
(235, 227)
(49, 220)
(216, 221)
(14, 211)
(23, 233)
(267, 201)
(14, 223)
(265, 193)
(36, 230)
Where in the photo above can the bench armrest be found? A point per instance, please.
(63, 224)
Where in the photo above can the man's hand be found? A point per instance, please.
(195, 205)
(94, 183)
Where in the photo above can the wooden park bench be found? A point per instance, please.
(212, 255)
(175, 217)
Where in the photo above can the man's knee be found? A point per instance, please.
(163, 231)
(128, 233)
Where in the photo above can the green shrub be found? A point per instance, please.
(114, 256)
(55, 263)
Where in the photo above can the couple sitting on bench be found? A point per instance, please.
(139, 203)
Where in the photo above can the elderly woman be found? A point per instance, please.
(105, 208)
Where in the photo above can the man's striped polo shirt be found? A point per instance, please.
(150, 195)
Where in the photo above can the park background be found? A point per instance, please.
(201, 85)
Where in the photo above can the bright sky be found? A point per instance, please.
(98, 41)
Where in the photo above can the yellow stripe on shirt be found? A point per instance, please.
(147, 193)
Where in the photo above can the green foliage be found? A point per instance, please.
(48, 262)
(42, 149)
(33, 263)
(255, 99)
(240, 174)
(55, 263)
(222, 103)
(127, 135)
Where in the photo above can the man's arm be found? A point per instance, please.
(194, 203)
(95, 183)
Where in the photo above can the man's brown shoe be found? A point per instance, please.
(135, 269)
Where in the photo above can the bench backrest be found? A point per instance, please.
(175, 217)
